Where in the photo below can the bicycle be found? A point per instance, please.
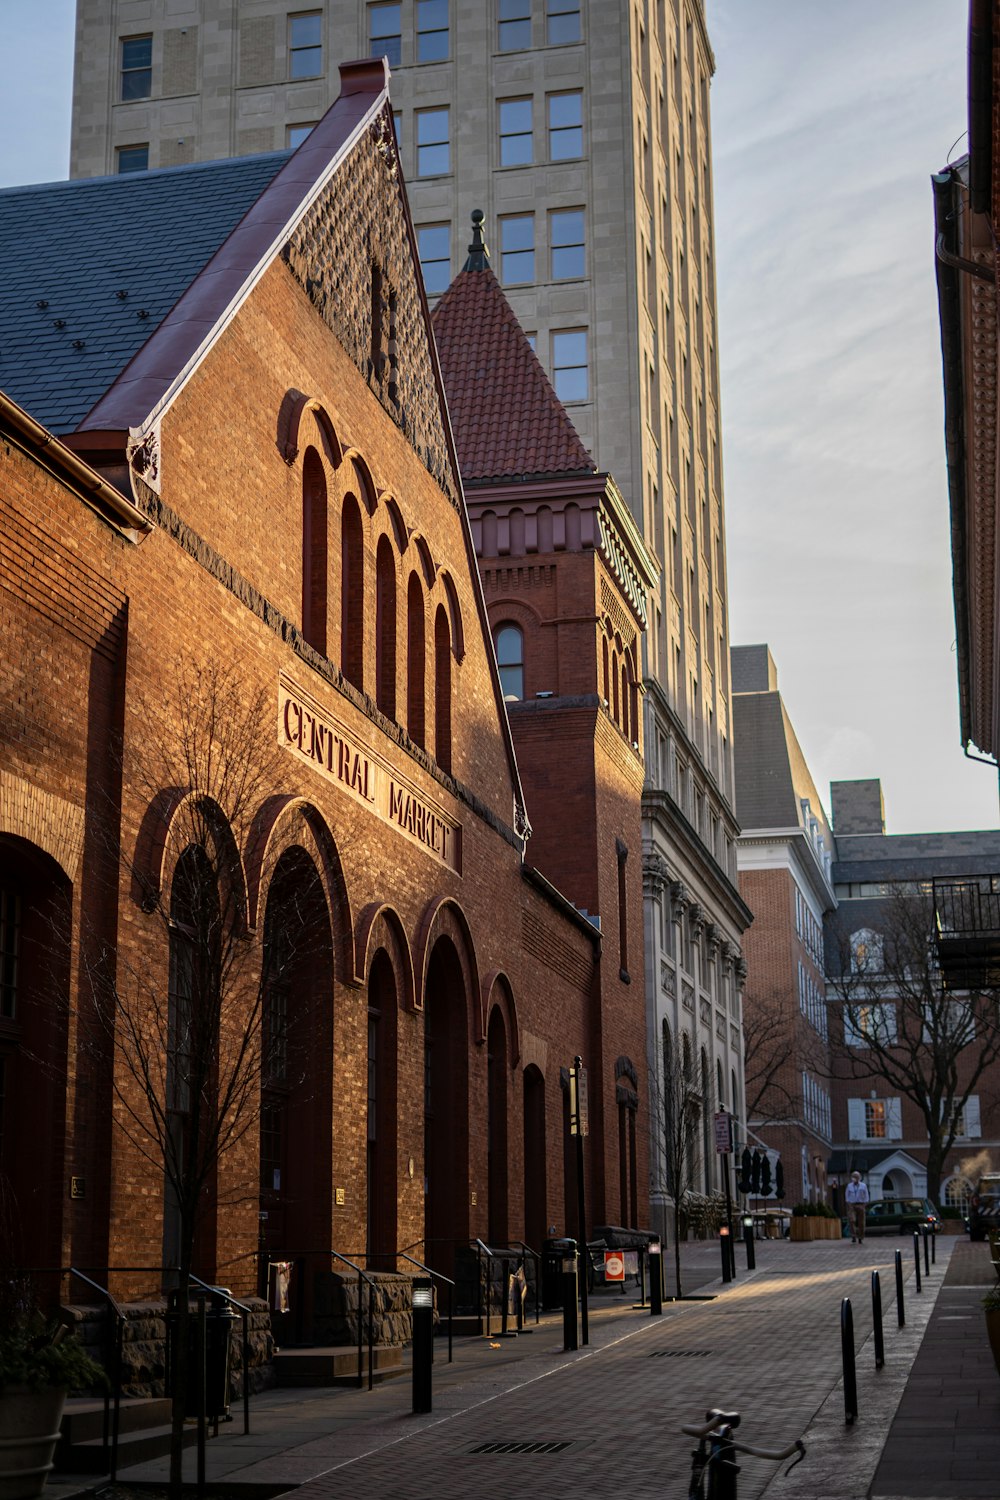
(716, 1455)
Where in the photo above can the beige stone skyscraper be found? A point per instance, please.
(581, 127)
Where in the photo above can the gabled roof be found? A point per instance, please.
(92, 267)
(508, 422)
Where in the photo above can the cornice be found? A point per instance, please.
(660, 808)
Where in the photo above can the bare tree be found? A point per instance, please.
(183, 1013)
(899, 1024)
(770, 1048)
(676, 1106)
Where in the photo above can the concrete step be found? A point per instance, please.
(336, 1365)
(83, 1418)
(92, 1456)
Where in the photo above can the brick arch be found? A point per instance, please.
(295, 408)
(160, 843)
(280, 823)
(380, 928)
(400, 532)
(455, 615)
(427, 562)
(497, 991)
(445, 917)
(50, 823)
(367, 486)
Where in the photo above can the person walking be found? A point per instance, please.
(856, 1198)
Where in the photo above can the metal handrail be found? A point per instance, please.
(538, 1276)
(120, 1321)
(482, 1248)
(440, 1276)
(218, 1291)
(362, 1277)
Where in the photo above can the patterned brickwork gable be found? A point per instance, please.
(352, 254)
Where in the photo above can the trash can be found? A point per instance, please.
(554, 1253)
(219, 1319)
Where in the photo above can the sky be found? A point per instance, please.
(827, 122)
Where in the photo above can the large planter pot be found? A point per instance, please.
(29, 1431)
(993, 1334)
(802, 1228)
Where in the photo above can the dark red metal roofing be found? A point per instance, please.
(507, 420)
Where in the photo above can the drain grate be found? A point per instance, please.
(680, 1353)
(495, 1448)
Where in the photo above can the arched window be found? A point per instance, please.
(510, 659)
(385, 628)
(626, 722)
(615, 706)
(352, 601)
(442, 689)
(956, 1193)
(314, 551)
(607, 685)
(416, 662)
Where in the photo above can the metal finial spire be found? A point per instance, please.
(479, 255)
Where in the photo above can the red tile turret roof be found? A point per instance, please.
(508, 422)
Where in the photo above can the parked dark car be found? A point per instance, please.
(901, 1216)
(984, 1207)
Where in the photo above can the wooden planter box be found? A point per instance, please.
(815, 1229)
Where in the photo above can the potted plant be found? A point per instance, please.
(991, 1307)
(39, 1364)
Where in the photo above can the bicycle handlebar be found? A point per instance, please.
(715, 1419)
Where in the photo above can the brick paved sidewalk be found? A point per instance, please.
(769, 1345)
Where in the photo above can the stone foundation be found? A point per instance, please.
(335, 1319)
(144, 1349)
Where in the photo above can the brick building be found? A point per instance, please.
(228, 469)
(583, 130)
(837, 962)
(785, 859)
(558, 553)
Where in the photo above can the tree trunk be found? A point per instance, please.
(180, 1378)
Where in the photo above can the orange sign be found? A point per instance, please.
(614, 1265)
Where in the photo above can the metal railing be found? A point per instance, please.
(437, 1276)
(244, 1313)
(363, 1277)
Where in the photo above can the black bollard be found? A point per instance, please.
(900, 1310)
(423, 1343)
(724, 1245)
(748, 1242)
(847, 1355)
(933, 1247)
(916, 1258)
(570, 1337)
(927, 1254)
(655, 1280)
(877, 1320)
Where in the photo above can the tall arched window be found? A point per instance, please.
(510, 659)
(416, 662)
(607, 685)
(314, 551)
(626, 703)
(385, 628)
(442, 689)
(615, 708)
(352, 599)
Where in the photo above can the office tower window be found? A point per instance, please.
(397, 126)
(532, 340)
(296, 134)
(565, 126)
(385, 33)
(569, 365)
(514, 25)
(137, 68)
(510, 659)
(433, 154)
(305, 45)
(434, 249)
(432, 30)
(517, 248)
(562, 21)
(566, 243)
(515, 133)
(132, 159)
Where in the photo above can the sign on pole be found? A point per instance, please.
(723, 1132)
(614, 1265)
(579, 1120)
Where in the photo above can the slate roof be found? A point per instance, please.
(508, 422)
(75, 246)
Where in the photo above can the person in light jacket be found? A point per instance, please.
(856, 1198)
